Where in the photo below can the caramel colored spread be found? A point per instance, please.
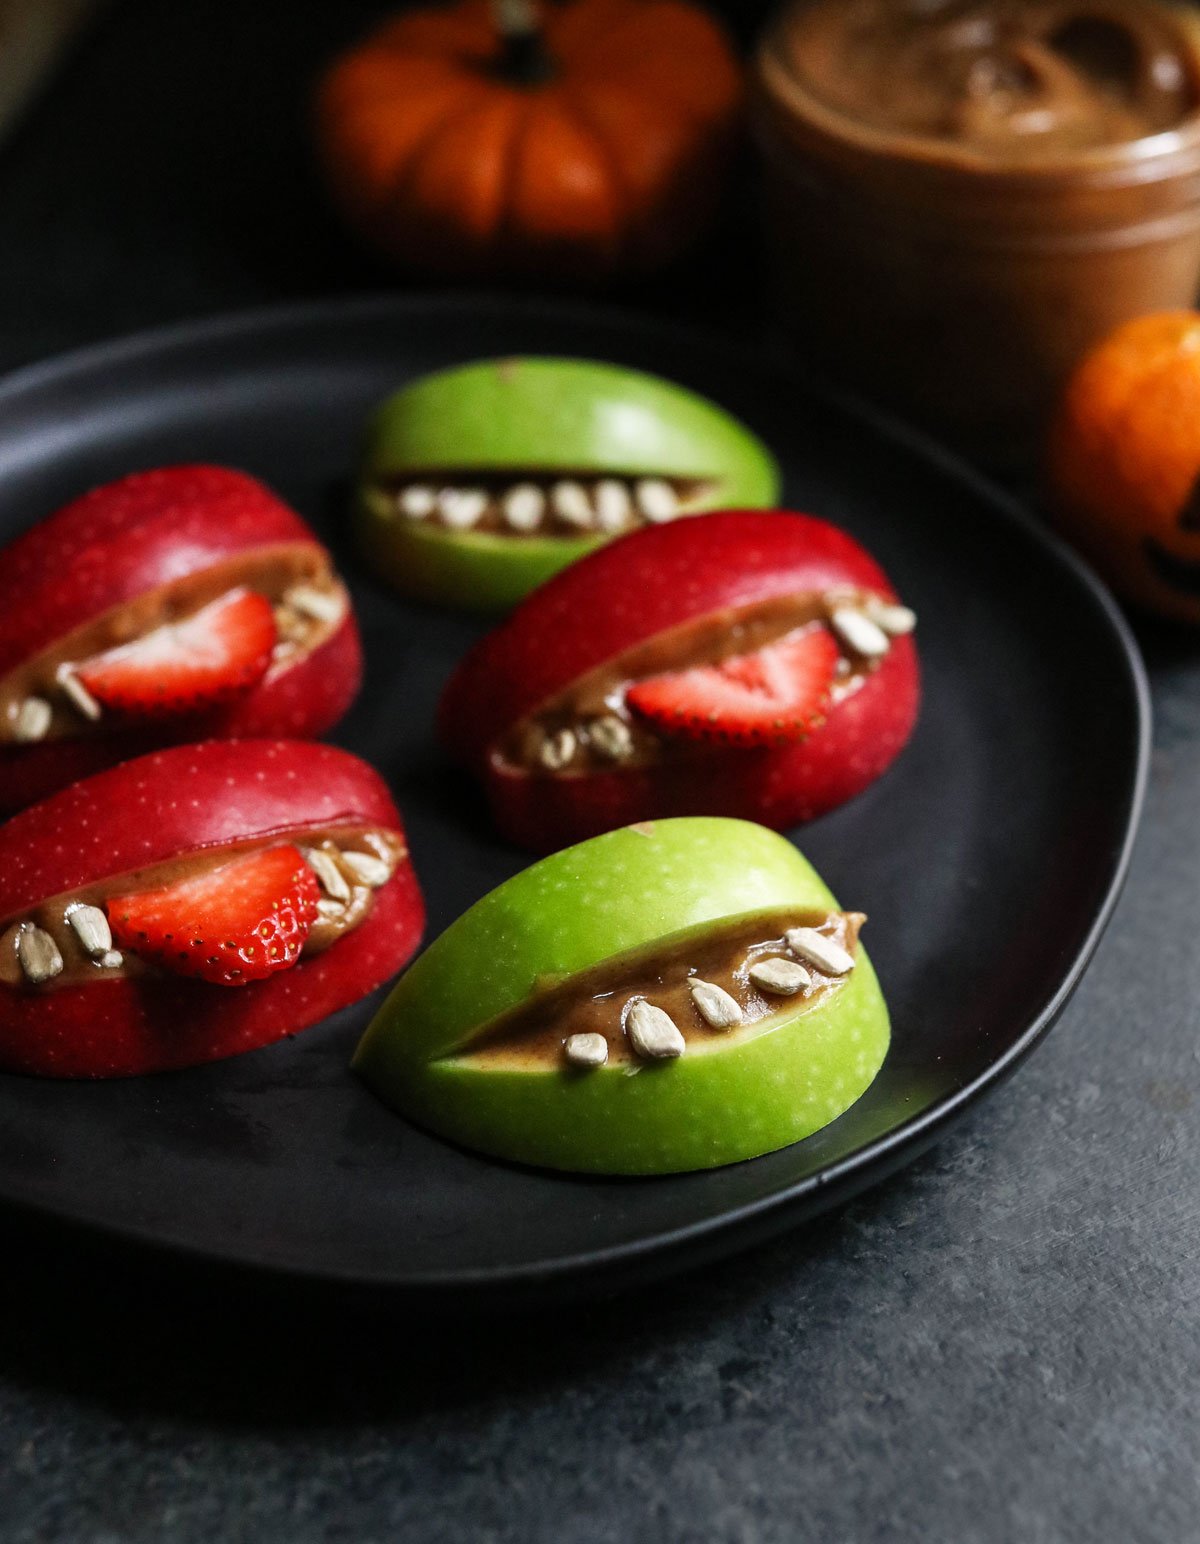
(273, 572)
(1014, 80)
(598, 698)
(79, 968)
(597, 1001)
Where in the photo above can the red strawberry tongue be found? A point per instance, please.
(775, 696)
(218, 653)
(240, 922)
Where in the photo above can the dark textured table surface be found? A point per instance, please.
(1003, 1343)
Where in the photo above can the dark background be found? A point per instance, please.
(1000, 1344)
(167, 172)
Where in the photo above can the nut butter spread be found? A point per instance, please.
(1013, 80)
(597, 1001)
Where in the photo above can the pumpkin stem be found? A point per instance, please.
(524, 60)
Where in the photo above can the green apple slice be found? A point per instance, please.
(446, 1048)
(476, 433)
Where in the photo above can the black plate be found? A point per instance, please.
(988, 859)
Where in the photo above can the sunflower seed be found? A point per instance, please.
(586, 1050)
(372, 871)
(859, 633)
(330, 910)
(332, 880)
(611, 737)
(379, 845)
(557, 750)
(895, 620)
(714, 1004)
(613, 504)
(38, 954)
(320, 605)
(653, 1033)
(523, 507)
(570, 503)
(417, 502)
(782, 977)
(90, 926)
(111, 959)
(656, 499)
(461, 508)
(80, 697)
(32, 720)
(819, 950)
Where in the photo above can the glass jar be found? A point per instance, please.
(962, 287)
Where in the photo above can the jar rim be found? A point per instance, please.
(1162, 154)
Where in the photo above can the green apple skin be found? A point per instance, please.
(552, 415)
(728, 1098)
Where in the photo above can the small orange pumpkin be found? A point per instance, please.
(1124, 462)
(479, 140)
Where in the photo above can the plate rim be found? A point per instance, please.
(737, 1227)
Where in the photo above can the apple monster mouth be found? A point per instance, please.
(1177, 572)
(518, 502)
(47, 698)
(68, 939)
(589, 727)
(688, 994)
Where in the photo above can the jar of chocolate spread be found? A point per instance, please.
(964, 195)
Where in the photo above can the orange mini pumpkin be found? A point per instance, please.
(1124, 462)
(493, 140)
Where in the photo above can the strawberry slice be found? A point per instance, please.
(239, 922)
(219, 652)
(774, 696)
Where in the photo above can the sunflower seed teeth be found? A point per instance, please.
(825, 953)
(111, 959)
(320, 605)
(330, 911)
(656, 499)
(372, 871)
(32, 720)
(523, 507)
(378, 843)
(895, 620)
(557, 750)
(714, 1004)
(417, 502)
(571, 504)
(614, 505)
(90, 926)
(653, 1033)
(331, 878)
(461, 508)
(586, 1050)
(859, 633)
(611, 737)
(78, 694)
(38, 954)
(783, 978)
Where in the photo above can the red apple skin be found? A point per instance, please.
(115, 543)
(625, 593)
(147, 811)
